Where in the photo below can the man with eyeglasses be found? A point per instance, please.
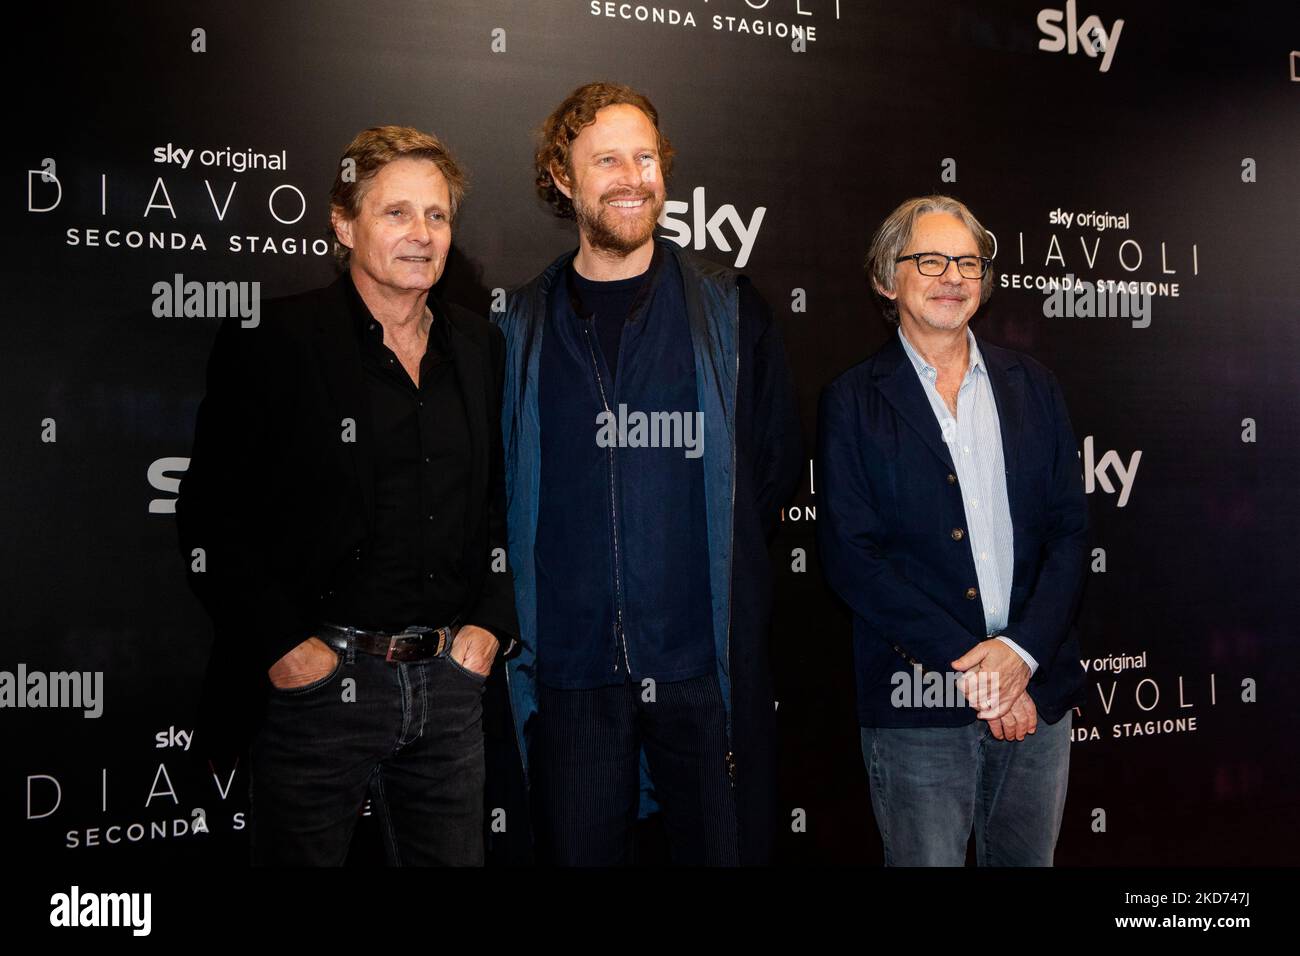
(953, 525)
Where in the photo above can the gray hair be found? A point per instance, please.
(896, 232)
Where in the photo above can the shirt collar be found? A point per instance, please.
(362, 320)
(926, 370)
(367, 327)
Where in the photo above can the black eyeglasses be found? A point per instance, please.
(936, 264)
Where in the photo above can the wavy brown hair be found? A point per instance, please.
(373, 149)
(569, 119)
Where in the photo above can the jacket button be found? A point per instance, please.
(907, 657)
(952, 479)
(971, 593)
(958, 534)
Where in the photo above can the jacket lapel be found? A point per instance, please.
(898, 382)
(340, 357)
(1007, 379)
(472, 378)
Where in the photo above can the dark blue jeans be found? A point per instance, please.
(931, 785)
(409, 736)
(587, 750)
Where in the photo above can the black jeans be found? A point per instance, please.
(409, 736)
(587, 778)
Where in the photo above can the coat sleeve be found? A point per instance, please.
(1044, 622)
(851, 532)
(778, 438)
(495, 608)
(223, 511)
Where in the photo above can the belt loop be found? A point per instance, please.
(351, 653)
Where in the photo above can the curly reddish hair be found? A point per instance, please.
(570, 118)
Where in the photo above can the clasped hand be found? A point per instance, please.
(994, 680)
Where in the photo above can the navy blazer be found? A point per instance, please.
(890, 500)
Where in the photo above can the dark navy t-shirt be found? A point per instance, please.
(609, 303)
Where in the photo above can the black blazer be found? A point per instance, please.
(281, 505)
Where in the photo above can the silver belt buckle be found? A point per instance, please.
(413, 631)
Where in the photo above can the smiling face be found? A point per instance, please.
(402, 234)
(616, 187)
(944, 302)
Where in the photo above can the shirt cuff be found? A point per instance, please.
(1024, 654)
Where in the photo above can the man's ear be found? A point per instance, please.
(561, 183)
(342, 226)
(887, 293)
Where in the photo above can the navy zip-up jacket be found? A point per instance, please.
(622, 543)
(753, 454)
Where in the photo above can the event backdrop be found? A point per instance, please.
(1099, 140)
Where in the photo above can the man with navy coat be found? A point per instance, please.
(953, 524)
(642, 577)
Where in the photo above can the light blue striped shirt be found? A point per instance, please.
(974, 440)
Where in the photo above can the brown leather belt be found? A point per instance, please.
(415, 643)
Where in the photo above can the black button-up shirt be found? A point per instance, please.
(411, 571)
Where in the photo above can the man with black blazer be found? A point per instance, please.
(342, 519)
(953, 524)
